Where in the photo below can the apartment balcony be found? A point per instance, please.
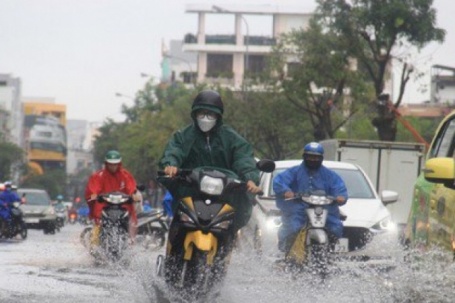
(227, 44)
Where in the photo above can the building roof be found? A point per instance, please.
(259, 9)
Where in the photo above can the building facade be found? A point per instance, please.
(11, 115)
(229, 59)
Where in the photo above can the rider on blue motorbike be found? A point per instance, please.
(7, 198)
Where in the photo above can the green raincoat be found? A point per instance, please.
(221, 147)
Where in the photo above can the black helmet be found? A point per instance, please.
(210, 100)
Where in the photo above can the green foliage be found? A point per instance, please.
(53, 181)
(426, 127)
(379, 32)
(321, 77)
(11, 156)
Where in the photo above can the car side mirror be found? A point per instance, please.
(440, 170)
(266, 165)
(389, 197)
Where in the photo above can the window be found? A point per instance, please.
(444, 143)
(219, 65)
(256, 64)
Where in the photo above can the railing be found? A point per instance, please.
(231, 40)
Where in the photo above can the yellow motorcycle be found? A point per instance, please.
(200, 237)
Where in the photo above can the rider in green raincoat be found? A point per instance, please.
(209, 142)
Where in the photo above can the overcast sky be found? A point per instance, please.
(82, 52)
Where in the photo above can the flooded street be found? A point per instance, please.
(57, 268)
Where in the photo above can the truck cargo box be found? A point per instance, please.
(390, 165)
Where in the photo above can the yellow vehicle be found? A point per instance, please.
(432, 217)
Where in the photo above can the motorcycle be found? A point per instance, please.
(16, 225)
(199, 240)
(114, 226)
(61, 216)
(152, 229)
(72, 216)
(312, 246)
(151, 233)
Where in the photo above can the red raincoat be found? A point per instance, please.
(103, 181)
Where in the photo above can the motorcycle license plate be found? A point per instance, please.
(31, 220)
(342, 246)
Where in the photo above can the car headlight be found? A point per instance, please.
(49, 211)
(273, 222)
(211, 186)
(385, 224)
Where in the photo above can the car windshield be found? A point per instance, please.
(356, 183)
(36, 198)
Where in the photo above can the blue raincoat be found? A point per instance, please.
(7, 198)
(299, 179)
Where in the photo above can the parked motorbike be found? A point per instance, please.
(152, 229)
(312, 246)
(15, 226)
(197, 249)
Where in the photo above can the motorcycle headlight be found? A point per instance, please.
(16, 204)
(212, 186)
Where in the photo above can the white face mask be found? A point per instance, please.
(205, 124)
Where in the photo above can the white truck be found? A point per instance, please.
(390, 165)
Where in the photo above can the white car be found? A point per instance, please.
(368, 229)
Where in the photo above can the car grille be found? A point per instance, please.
(358, 237)
(33, 215)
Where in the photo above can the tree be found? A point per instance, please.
(320, 80)
(11, 156)
(380, 32)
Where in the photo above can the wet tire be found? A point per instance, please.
(23, 231)
(319, 259)
(85, 236)
(197, 280)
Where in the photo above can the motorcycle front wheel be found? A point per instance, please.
(318, 262)
(23, 230)
(196, 274)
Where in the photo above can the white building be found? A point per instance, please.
(81, 135)
(11, 114)
(224, 59)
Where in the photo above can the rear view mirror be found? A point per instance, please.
(440, 170)
(388, 197)
(266, 165)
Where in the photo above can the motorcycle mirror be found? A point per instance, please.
(266, 165)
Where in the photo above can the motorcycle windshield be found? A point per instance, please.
(180, 189)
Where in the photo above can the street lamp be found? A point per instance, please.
(124, 96)
(219, 9)
(183, 60)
